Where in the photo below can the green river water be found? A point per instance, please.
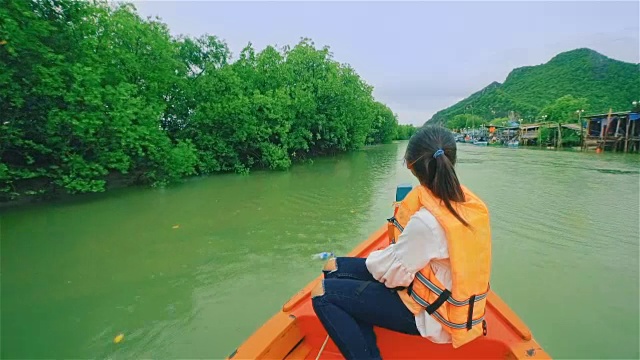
(77, 273)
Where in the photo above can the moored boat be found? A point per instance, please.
(296, 333)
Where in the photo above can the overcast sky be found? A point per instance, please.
(420, 56)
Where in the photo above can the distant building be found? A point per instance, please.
(617, 131)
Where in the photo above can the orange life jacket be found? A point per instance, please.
(460, 309)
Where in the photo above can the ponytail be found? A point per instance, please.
(444, 182)
(431, 154)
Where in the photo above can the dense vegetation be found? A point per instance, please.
(580, 79)
(92, 94)
(404, 132)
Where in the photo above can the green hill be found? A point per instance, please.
(584, 74)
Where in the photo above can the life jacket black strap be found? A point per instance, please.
(437, 290)
(472, 301)
(437, 315)
(439, 301)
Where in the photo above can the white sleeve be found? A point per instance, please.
(417, 245)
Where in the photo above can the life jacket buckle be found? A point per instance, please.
(484, 327)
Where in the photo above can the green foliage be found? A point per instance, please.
(570, 138)
(545, 135)
(92, 92)
(590, 78)
(499, 121)
(461, 121)
(549, 135)
(405, 132)
(384, 127)
(564, 109)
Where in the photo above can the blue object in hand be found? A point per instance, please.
(323, 255)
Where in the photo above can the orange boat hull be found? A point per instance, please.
(296, 333)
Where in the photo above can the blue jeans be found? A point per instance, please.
(353, 303)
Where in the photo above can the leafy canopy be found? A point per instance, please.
(93, 92)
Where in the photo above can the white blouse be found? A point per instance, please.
(422, 242)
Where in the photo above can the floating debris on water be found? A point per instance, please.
(118, 338)
(175, 226)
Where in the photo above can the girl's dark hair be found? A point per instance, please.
(436, 173)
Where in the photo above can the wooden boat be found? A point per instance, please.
(296, 333)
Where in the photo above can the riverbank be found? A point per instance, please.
(117, 181)
(615, 132)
